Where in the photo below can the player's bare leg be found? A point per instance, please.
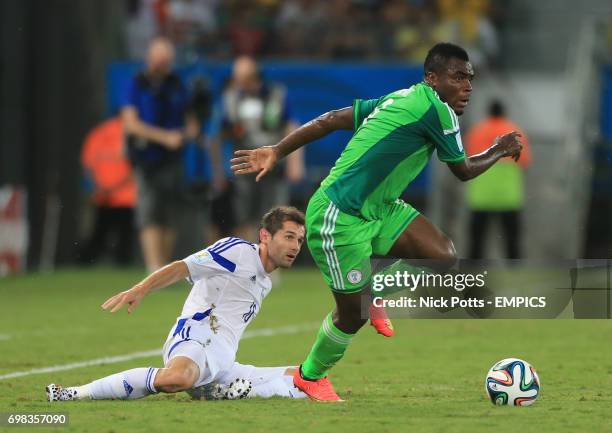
(347, 315)
(180, 374)
(423, 240)
(420, 240)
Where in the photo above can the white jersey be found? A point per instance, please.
(228, 277)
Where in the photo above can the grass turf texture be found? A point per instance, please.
(428, 378)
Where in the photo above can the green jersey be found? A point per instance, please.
(393, 140)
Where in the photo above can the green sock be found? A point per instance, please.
(328, 349)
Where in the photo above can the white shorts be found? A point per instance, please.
(196, 340)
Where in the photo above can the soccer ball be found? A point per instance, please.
(512, 382)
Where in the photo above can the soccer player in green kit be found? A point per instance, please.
(356, 212)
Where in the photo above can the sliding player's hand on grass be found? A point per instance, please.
(130, 297)
(260, 160)
(510, 144)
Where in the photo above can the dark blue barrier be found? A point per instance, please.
(313, 88)
(606, 102)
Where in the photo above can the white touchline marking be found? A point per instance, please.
(264, 332)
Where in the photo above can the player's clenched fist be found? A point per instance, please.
(510, 144)
(260, 160)
(130, 297)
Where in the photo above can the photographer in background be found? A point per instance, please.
(256, 113)
(203, 162)
(154, 118)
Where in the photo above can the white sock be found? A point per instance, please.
(256, 375)
(127, 385)
(266, 381)
(281, 386)
(83, 392)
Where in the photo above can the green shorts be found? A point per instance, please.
(342, 244)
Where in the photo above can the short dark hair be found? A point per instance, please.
(496, 108)
(440, 54)
(273, 220)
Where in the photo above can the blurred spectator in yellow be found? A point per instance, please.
(114, 194)
(497, 194)
(418, 30)
(467, 23)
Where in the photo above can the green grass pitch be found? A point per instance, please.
(428, 378)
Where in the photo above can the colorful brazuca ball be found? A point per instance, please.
(512, 382)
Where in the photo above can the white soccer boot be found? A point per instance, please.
(210, 391)
(57, 393)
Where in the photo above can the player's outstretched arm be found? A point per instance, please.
(263, 159)
(505, 145)
(159, 279)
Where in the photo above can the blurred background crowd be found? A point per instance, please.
(396, 30)
(119, 119)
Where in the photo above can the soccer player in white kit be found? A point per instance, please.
(230, 280)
